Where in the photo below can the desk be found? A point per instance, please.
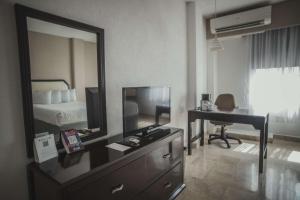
(259, 121)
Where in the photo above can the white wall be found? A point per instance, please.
(201, 56)
(191, 31)
(228, 73)
(232, 71)
(43, 48)
(145, 44)
(196, 57)
(196, 54)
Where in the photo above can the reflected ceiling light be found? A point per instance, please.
(215, 44)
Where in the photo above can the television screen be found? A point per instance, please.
(145, 108)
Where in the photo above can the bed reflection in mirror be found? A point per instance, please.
(64, 77)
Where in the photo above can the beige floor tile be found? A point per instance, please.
(214, 172)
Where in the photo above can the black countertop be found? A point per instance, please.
(66, 167)
(235, 111)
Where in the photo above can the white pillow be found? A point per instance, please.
(41, 97)
(56, 97)
(65, 96)
(73, 96)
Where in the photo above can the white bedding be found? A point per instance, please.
(61, 114)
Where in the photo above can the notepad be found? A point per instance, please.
(118, 147)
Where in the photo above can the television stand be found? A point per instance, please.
(156, 131)
(153, 171)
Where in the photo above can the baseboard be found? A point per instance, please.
(249, 137)
(287, 138)
(246, 135)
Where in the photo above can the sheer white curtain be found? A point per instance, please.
(275, 48)
(275, 73)
(277, 91)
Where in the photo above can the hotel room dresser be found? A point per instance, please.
(152, 171)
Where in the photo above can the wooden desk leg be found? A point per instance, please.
(261, 151)
(266, 138)
(202, 132)
(189, 137)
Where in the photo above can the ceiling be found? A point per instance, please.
(208, 6)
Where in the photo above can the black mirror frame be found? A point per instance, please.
(22, 12)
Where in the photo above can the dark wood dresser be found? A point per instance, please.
(152, 171)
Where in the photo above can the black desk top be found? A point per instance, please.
(95, 155)
(237, 115)
(236, 111)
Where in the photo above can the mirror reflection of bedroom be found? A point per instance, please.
(145, 106)
(64, 78)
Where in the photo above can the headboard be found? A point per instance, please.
(49, 84)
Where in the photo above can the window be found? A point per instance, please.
(276, 90)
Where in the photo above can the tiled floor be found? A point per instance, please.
(213, 172)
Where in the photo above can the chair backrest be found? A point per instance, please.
(225, 101)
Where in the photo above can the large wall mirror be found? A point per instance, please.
(63, 80)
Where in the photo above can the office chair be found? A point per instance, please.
(223, 102)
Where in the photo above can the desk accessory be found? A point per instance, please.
(44, 147)
(71, 141)
(206, 103)
(118, 147)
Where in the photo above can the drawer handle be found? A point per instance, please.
(117, 188)
(168, 185)
(168, 155)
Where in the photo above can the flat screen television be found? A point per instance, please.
(145, 108)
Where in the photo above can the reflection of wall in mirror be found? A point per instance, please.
(49, 56)
(84, 59)
(91, 72)
(55, 57)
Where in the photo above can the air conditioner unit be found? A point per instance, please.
(243, 20)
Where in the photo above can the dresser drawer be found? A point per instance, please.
(158, 161)
(177, 149)
(162, 159)
(165, 186)
(122, 184)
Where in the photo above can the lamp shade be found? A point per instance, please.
(216, 45)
